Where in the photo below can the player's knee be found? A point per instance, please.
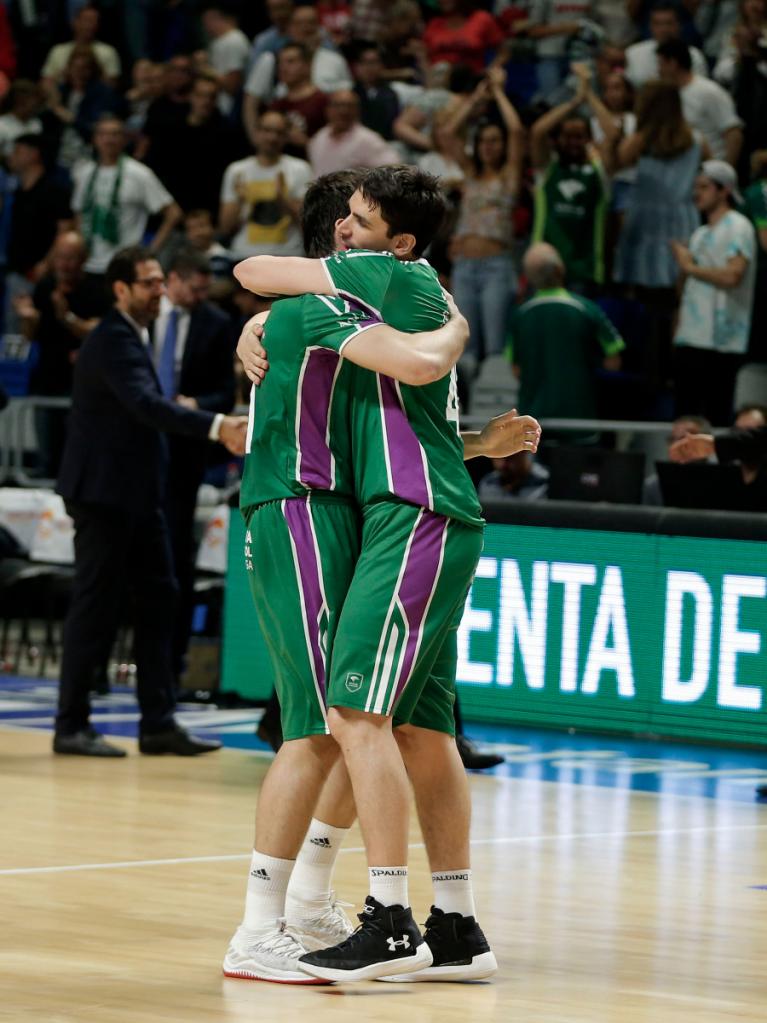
(323, 748)
(422, 745)
(349, 725)
(407, 738)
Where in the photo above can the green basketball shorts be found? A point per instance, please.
(394, 651)
(300, 555)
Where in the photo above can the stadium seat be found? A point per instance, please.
(495, 388)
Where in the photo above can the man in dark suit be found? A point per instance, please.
(112, 477)
(198, 373)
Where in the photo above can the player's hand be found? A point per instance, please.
(233, 433)
(509, 433)
(187, 402)
(457, 319)
(692, 448)
(250, 350)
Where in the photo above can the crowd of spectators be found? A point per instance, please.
(624, 140)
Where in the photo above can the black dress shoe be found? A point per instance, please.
(177, 741)
(86, 743)
(472, 759)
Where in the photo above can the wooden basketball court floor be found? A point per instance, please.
(121, 882)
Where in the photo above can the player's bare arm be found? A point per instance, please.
(414, 359)
(503, 435)
(284, 275)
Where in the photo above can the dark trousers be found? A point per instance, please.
(704, 383)
(180, 510)
(117, 554)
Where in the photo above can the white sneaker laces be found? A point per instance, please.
(284, 941)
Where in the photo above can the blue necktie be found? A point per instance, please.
(166, 371)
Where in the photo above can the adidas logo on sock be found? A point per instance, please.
(261, 874)
(323, 843)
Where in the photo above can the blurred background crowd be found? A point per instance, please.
(605, 163)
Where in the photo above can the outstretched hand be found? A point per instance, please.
(508, 434)
(233, 434)
(692, 448)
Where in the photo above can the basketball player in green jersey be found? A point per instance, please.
(302, 544)
(393, 657)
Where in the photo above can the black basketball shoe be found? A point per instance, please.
(459, 950)
(387, 941)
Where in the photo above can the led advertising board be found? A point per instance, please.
(581, 628)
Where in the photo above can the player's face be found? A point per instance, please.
(364, 228)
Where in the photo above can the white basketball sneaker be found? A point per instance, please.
(269, 953)
(319, 923)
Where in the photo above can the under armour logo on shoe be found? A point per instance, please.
(404, 942)
(261, 874)
(324, 843)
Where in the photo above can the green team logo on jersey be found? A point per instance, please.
(354, 681)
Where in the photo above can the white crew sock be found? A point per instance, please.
(310, 880)
(453, 892)
(388, 885)
(267, 885)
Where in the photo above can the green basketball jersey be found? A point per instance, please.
(559, 340)
(570, 211)
(405, 440)
(298, 428)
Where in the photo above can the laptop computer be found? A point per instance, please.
(596, 474)
(702, 485)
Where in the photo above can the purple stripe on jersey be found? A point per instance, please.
(408, 477)
(315, 467)
(417, 586)
(297, 516)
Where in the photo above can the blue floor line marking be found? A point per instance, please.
(533, 754)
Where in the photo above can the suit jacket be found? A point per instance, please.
(116, 452)
(207, 374)
(207, 370)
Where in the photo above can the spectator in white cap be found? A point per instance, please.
(719, 269)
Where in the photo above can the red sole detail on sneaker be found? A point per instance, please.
(273, 980)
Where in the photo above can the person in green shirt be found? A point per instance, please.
(571, 187)
(558, 341)
(300, 547)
